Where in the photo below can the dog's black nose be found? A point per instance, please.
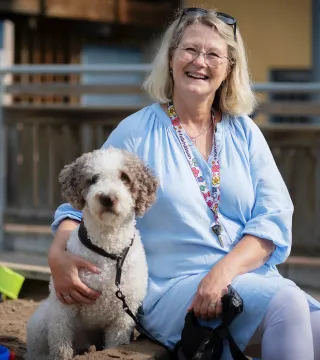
(107, 201)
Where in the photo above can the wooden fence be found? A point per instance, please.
(40, 142)
(37, 140)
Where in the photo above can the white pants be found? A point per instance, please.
(288, 331)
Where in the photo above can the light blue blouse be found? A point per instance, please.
(180, 246)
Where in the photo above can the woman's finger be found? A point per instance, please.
(219, 308)
(204, 309)
(212, 309)
(197, 306)
(82, 263)
(85, 291)
(79, 298)
(60, 297)
(67, 299)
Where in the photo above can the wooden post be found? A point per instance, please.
(3, 167)
(316, 49)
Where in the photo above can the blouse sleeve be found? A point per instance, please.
(122, 137)
(271, 216)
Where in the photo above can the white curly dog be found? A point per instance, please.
(111, 187)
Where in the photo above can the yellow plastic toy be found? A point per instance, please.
(10, 282)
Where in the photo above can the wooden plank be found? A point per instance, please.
(293, 108)
(20, 6)
(27, 229)
(98, 10)
(35, 272)
(75, 50)
(24, 59)
(72, 89)
(145, 13)
(51, 165)
(47, 56)
(36, 53)
(317, 193)
(35, 165)
(303, 260)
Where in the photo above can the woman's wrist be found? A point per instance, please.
(224, 270)
(55, 251)
(59, 243)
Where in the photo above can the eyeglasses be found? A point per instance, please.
(227, 19)
(212, 59)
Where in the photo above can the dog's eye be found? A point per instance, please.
(124, 177)
(94, 179)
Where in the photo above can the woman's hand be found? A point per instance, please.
(207, 301)
(65, 274)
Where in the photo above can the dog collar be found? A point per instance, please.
(83, 237)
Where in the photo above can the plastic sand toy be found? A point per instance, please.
(10, 283)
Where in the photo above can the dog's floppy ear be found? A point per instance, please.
(75, 181)
(144, 184)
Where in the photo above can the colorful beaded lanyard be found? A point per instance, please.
(211, 198)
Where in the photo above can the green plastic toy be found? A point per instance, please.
(10, 282)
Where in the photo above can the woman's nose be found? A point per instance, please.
(200, 60)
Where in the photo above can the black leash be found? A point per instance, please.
(83, 237)
(212, 346)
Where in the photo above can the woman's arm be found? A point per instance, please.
(62, 235)
(250, 253)
(65, 267)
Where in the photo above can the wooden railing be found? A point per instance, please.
(36, 141)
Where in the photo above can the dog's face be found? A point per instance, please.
(111, 183)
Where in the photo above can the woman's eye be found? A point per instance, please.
(213, 55)
(191, 50)
(94, 179)
(124, 177)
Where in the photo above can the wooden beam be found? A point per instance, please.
(29, 271)
(72, 89)
(20, 6)
(96, 10)
(290, 108)
(144, 13)
(27, 229)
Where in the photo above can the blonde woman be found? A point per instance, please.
(223, 214)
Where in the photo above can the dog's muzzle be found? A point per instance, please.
(108, 202)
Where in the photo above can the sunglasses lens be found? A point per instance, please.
(229, 20)
(195, 11)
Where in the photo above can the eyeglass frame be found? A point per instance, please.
(226, 18)
(204, 55)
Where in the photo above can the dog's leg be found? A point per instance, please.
(61, 331)
(37, 333)
(119, 331)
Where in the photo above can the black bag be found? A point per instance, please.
(204, 343)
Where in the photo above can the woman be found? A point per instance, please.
(223, 213)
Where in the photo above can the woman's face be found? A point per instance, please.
(192, 74)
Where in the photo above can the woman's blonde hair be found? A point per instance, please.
(235, 96)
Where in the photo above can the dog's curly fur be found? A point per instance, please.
(111, 187)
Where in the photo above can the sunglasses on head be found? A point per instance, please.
(227, 19)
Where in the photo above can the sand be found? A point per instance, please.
(14, 315)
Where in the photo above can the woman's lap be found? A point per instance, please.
(166, 318)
